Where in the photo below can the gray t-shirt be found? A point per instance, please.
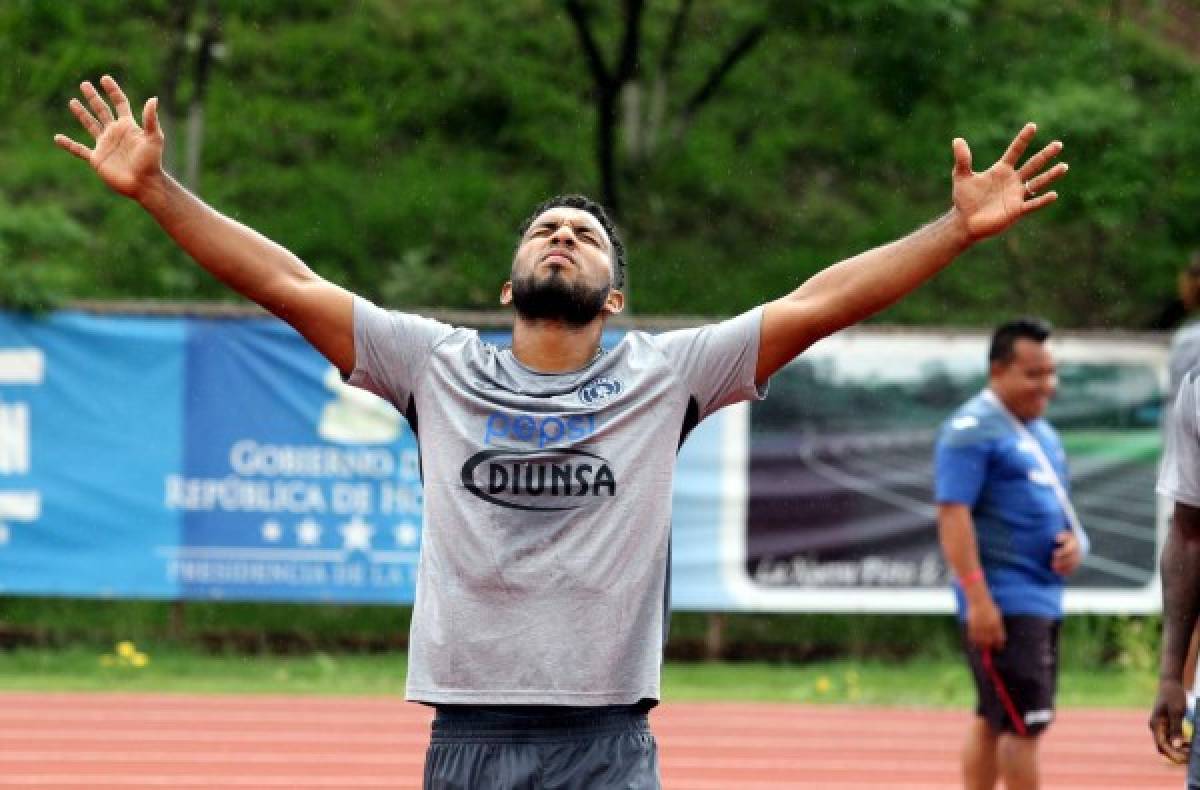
(1179, 475)
(547, 502)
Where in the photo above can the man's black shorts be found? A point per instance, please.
(541, 749)
(1016, 685)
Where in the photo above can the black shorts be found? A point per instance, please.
(514, 748)
(1016, 685)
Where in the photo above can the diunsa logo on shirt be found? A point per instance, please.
(539, 480)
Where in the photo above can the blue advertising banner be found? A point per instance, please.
(195, 458)
(90, 416)
(200, 458)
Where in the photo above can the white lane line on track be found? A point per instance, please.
(190, 718)
(38, 701)
(678, 716)
(854, 765)
(224, 736)
(1080, 748)
(290, 733)
(782, 711)
(235, 742)
(904, 716)
(275, 726)
(672, 778)
(941, 783)
(700, 784)
(61, 780)
(161, 702)
(225, 698)
(1060, 729)
(311, 758)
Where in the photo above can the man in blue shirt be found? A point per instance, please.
(1006, 529)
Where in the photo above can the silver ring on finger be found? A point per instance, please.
(1029, 193)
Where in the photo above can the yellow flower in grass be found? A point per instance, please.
(126, 649)
(139, 660)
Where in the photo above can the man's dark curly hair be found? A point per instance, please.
(584, 203)
(1004, 339)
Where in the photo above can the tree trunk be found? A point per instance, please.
(203, 73)
(178, 23)
(195, 138)
(606, 134)
(631, 120)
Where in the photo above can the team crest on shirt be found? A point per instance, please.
(599, 389)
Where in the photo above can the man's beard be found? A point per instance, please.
(554, 299)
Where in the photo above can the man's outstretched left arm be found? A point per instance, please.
(984, 204)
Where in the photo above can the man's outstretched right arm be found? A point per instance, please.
(128, 158)
(1180, 571)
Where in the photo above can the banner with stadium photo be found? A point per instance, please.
(831, 508)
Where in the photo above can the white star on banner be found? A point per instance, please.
(308, 532)
(405, 534)
(356, 534)
(271, 531)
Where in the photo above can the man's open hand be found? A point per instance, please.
(991, 201)
(127, 157)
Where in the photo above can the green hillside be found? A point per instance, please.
(396, 144)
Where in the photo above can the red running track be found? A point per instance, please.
(189, 741)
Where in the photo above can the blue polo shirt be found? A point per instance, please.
(983, 462)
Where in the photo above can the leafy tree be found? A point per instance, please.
(628, 94)
(37, 246)
(396, 144)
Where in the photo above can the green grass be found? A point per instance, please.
(942, 683)
(80, 668)
(930, 683)
(358, 650)
(91, 619)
